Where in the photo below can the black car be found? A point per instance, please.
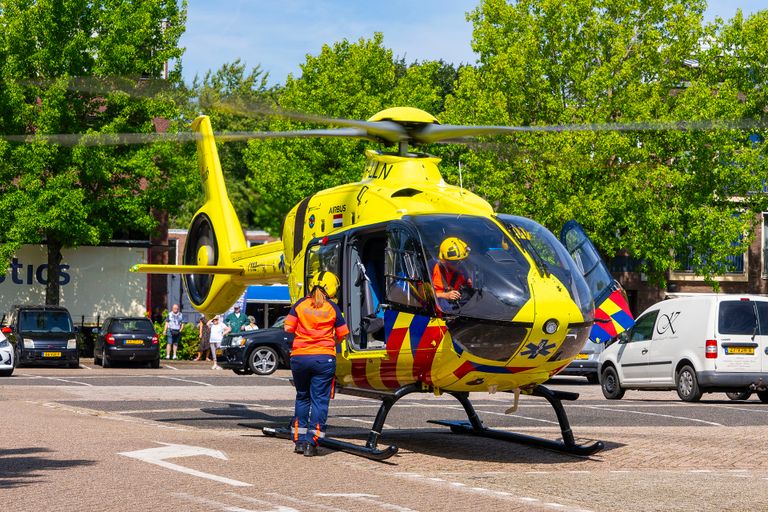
(126, 339)
(43, 335)
(261, 351)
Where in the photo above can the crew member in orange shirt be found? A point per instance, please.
(317, 323)
(447, 276)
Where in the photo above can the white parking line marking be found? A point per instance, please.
(184, 380)
(86, 367)
(158, 455)
(171, 367)
(231, 508)
(601, 408)
(311, 505)
(503, 495)
(366, 498)
(69, 381)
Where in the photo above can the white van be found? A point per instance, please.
(698, 344)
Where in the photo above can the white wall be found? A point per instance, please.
(95, 281)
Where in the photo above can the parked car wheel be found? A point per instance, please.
(263, 360)
(688, 385)
(242, 371)
(610, 385)
(104, 361)
(155, 363)
(6, 373)
(739, 395)
(763, 396)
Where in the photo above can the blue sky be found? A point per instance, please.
(279, 34)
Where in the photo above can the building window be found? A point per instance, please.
(173, 251)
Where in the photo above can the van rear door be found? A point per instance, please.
(740, 347)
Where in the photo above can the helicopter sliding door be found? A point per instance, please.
(364, 307)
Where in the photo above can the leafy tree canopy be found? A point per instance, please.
(69, 196)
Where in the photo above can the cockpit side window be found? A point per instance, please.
(407, 281)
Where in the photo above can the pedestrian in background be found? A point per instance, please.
(204, 333)
(318, 324)
(251, 324)
(172, 328)
(236, 320)
(218, 331)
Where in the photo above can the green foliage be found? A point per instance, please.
(349, 80)
(188, 345)
(656, 194)
(85, 195)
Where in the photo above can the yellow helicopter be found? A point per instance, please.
(441, 294)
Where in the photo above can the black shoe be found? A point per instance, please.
(299, 447)
(310, 450)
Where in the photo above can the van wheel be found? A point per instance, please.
(763, 396)
(739, 395)
(611, 387)
(687, 385)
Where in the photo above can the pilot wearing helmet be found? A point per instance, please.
(448, 277)
(317, 323)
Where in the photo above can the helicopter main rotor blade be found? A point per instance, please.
(118, 139)
(428, 134)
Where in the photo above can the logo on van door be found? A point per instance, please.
(667, 323)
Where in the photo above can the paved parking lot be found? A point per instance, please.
(71, 427)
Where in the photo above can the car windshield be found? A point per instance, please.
(132, 326)
(45, 321)
(279, 323)
(479, 260)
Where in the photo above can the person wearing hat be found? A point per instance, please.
(448, 276)
(318, 325)
(236, 320)
(218, 331)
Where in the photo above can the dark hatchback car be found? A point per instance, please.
(43, 335)
(261, 351)
(126, 339)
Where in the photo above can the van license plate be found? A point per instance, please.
(582, 356)
(51, 354)
(740, 350)
(134, 342)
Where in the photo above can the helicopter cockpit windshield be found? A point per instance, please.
(476, 270)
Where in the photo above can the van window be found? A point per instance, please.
(643, 329)
(737, 317)
(762, 316)
(45, 321)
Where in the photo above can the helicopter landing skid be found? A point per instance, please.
(336, 444)
(568, 445)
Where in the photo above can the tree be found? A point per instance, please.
(347, 80)
(69, 196)
(233, 98)
(661, 195)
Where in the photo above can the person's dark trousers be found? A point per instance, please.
(313, 378)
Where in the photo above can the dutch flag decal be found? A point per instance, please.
(338, 220)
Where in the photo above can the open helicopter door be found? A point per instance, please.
(612, 314)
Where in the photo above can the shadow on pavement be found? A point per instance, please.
(25, 466)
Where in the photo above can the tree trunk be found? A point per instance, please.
(54, 260)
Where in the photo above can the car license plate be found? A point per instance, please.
(740, 350)
(134, 342)
(582, 356)
(51, 354)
